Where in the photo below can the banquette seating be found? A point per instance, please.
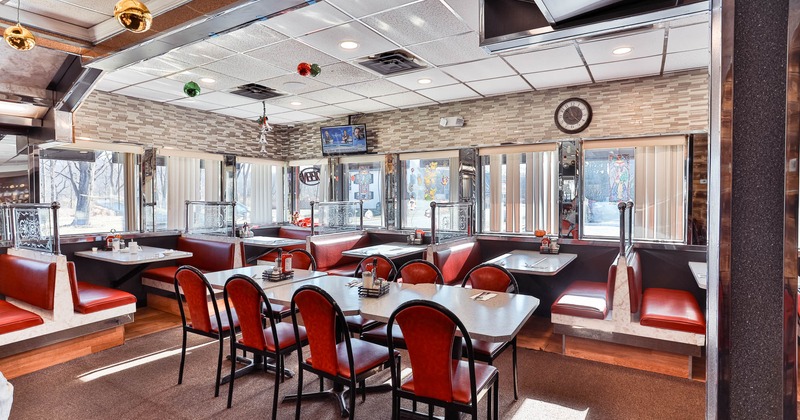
(328, 253)
(28, 281)
(89, 298)
(207, 256)
(587, 299)
(456, 261)
(289, 233)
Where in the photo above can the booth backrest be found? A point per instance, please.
(328, 252)
(28, 280)
(207, 255)
(635, 281)
(455, 262)
(294, 233)
(612, 278)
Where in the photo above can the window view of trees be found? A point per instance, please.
(608, 178)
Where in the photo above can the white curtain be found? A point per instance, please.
(542, 192)
(187, 182)
(266, 193)
(659, 200)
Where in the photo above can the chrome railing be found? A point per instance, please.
(625, 226)
(34, 226)
(336, 216)
(451, 221)
(211, 218)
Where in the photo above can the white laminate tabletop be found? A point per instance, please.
(148, 254)
(218, 278)
(390, 250)
(272, 241)
(532, 262)
(336, 286)
(700, 272)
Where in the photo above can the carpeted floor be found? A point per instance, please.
(139, 381)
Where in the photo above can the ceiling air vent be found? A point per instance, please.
(391, 62)
(256, 91)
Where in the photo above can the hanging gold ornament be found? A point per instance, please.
(19, 38)
(133, 15)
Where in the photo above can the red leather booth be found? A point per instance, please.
(455, 262)
(328, 254)
(29, 281)
(207, 256)
(89, 298)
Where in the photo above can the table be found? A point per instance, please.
(700, 272)
(391, 250)
(141, 260)
(532, 262)
(346, 296)
(271, 243)
(218, 278)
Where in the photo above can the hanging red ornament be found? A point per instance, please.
(304, 69)
(315, 70)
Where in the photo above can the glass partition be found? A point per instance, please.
(451, 221)
(336, 216)
(35, 226)
(364, 182)
(210, 218)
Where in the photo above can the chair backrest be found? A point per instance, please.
(196, 291)
(302, 259)
(420, 271)
(28, 280)
(635, 281)
(73, 283)
(251, 306)
(207, 255)
(386, 268)
(491, 277)
(428, 330)
(321, 317)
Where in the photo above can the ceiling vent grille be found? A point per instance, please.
(256, 91)
(391, 62)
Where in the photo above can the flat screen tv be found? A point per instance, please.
(344, 139)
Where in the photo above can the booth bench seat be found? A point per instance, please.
(207, 256)
(587, 299)
(289, 233)
(456, 261)
(13, 318)
(89, 298)
(29, 281)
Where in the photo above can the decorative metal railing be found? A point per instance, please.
(148, 220)
(625, 226)
(336, 216)
(211, 218)
(451, 221)
(33, 226)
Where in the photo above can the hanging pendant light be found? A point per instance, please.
(133, 15)
(18, 37)
(264, 128)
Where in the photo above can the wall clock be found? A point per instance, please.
(573, 115)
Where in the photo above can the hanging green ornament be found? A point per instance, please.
(192, 89)
(315, 70)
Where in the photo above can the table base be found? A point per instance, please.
(253, 365)
(340, 393)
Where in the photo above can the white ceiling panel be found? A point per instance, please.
(194, 103)
(298, 116)
(245, 68)
(365, 105)
(288, 54)
(344, 74)
(308, 19)
(361, 8)
(160, 66)
(249, 38)
(418, 22)
(149, 94)
(333, 95)
(643, 44)
(501, 85)
(411, 80)
(128, 76)
(329, 111)
(239, 113)
(226, 99)
(164, 85)
(687, 38)
(81, 16)
(468, 11)
(452, 50)
(623, 69)
(221, 81)
(557, 78)
(369, 42)
(200, 53)
(375, 87)
(544, 60)
(404, 100)
(291, 102)
(258, 108)
(449, 93)
(294, 83)
(686, 60)
(107, 85)
(478, 70)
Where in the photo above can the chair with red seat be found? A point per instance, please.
(385, 270)
(436, 378)
(303, 260)
(334, 354)
(194, 287)
(495, 278)
(275, 341)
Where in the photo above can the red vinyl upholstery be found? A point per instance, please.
(385, 270)
(291, 234)
(587, 299)
(303, 260)
(345, 270)
(460, 379)
(328, 252)
(455, 262)
(89, 298)
(207, 256)
(318, 312)
(28, 280)
(673, 310)
(195, 293)
(490, 277)
(419, 271)
(13, 318)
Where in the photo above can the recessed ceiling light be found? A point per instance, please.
(348, 45)
(424, 81)
(622, 50)
(295, 103)
(207, 80)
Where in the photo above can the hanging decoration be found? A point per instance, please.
(304, 69)
(264, 128)
(18, 37)
(315, 70)
(191, 89)
(133, 15)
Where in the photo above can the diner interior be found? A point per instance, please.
(516, 209)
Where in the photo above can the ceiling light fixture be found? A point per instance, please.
(207, 80)
(295, 103)
(17, 37)
(133, 15)
(424, 81)
(348, 45)
(622, 50)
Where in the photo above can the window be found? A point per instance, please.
(189, 177)
(364, 181)
(91, 185)
(520, 188)
(311, 182)
(259, 191)
(649, 172)
(426, 178)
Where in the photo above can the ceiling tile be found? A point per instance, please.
(245, 68)
(297, 116)
(410, 80)
(644, 44)
(557, 78)
(344, 74)
(199, 53)
(107, 85)
(294, 83)
(468, 11)
(259, 108)
(287, 102)
(226, 99)
(418, 22)
(365, 105)
(478, 70)
(544, 60)
(308, 19)
(376, 87)
(369, 42)
(221, 81)
(449, 93)
(685, 60)
(333, 95)
(239, 113)
(329, 111)
(160, 66)
(455, 49)
(149, 94)
(164, 85)
(623, 69)
(686, 38)
(404, 100)
(194, 103)
(248, 38)
(128, 76)
(84, 17)
(500, 85)
(288, 54)
(361, 8)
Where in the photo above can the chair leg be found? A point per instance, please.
(352, 398)
(430, 411)
(233, 375)
(299, 391)
(489, 402)
(280, 372)
(183, 358)
(321, 384)
(497, 400)
(514, 371)
(278, 380)
(219, 365)
(363, 391)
